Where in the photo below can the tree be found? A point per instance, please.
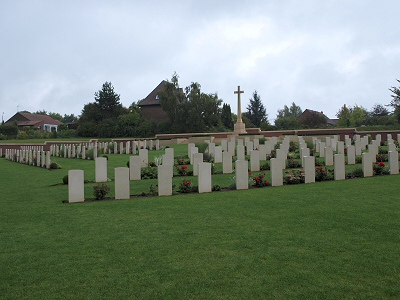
(192, 110)
(287, 118)
(378, 110)
(344, 116)
(395, 102)
(256, 111)
(226, 116)
(358, 116)
(99, 118)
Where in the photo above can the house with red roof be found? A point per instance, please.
(40, 122)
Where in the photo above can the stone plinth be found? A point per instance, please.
(239, 128)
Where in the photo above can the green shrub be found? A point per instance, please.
(65, 179)
(323, 174)
(202, 147)
(100, 191)
(266, 166)
(380, 168)
(356, 173)
(262, 141)
(54, 166)
(216, 188)
(106, 156)
(358, 159)
(294, 177)
(260, 181)
(149, 173)
(291, 163)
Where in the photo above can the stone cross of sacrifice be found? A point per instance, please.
(239, 106)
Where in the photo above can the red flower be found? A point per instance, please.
(250, 172)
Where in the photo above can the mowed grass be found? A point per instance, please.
(329, 240)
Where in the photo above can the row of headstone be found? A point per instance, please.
(29, 157)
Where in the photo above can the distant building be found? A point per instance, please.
(151, 106)
(34, 121)
(310, 114)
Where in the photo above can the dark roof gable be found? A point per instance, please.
(152, 98)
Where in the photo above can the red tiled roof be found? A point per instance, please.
(38, 118)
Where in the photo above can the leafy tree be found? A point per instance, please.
(226, 116)
(378, 110)
(395, 102)
(287, 118)
(256, 111)
(192, 110)
(69, 118)
(344, 116)
(358, 115)
(108, 102)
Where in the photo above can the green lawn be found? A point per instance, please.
(329, 240)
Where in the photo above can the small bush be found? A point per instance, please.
(216, 188)
(294, 177)
(65, 179)
(291, 163)
(293, 146)
(202, 147)
(260, 181)
(182, 170)
(380, 168)
(358, 159)
(149, 173)
(54, 166)
(186, 187)
(207, 157)
(266, 166)
(106, 156)
(382, 157)
(100, 191)
(323, 174)
(319, 162)
(262, 141)
(356, 173)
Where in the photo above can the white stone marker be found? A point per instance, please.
(122, 184)
(339, 167)
(340, 147)
(165, 173)
(321, 149)
(144, 157)
(204, 179)
(224, 145)
(43, 159)
(47, 159)
(254, 160)
(367, 164)
(256, 144)
(309, 169)
(170, 152)
(76, 189)
(240, 152)
(242, 175)
(83, 152)
(357, 144)
(127, 147)
(351, 155)
(211, 149)
(193, 150)
(227, 163)
(263, 151)
(218, 154)
(189, 149)
(167, 159)
(329, 156)
(276, 172)
(157, 144)
(135, 167)
(197, 159)
(249, 147)
(231, 148)
(101, 169)
(394, 162)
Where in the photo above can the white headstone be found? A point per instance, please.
(367, 164)
(254, 161)
(226, 163)
(276, 172)
(242, 175)
(144, 157)
(351, 155)
(135, 164)
(197, 159)
(76, 189)
(101, 169)
(394, 162)
(165, 173)
(339, 167)
(122, 184)
(218, 154)
(309, 169)
(204, 179)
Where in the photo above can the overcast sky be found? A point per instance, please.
(320, 54)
